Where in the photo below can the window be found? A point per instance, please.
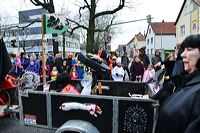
(182, 30)
(147, 41)
(151, 51)
(148, 51)
(152, 40)
(149, 30)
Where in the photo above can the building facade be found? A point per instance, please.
(135, 44)
(29, 38)
(188, 20)
(161, 36)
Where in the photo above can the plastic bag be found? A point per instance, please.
(86, 82)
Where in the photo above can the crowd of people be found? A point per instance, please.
(137, 69)
(140, 68)
(179, 109)
(54, 66)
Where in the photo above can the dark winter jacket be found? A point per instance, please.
(125, 61)
(25, 62)
(5, 63)
(136, 69)
(154, 60)
(180, 111)
(58, 63)
(145, 59)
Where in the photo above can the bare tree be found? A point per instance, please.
(90, 6)
(93, 16)
(102, 38)
(47, 4)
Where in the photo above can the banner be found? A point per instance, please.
(55, 23)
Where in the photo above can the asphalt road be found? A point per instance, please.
(10, 125)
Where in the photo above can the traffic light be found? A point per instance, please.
(13, 43)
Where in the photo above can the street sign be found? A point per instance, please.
(55, 23)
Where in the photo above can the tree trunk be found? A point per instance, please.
(90, 48)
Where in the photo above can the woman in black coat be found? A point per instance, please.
(180, 112)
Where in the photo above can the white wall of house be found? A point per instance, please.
(129, 48)
(159, 42)
(165, 42)
(139, 44)
(150, 45)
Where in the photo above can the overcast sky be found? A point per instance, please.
(166, 10)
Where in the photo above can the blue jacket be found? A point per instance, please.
(32, 68)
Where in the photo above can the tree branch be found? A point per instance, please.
(88, 6)
(107, 27)
(48, 5)
(67, 19)
(20, 27)
(73, 29)
(82, 8)
(121, 5)
(36, 2)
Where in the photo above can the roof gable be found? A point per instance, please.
(140, 37)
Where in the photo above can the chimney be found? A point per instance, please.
(163, 21)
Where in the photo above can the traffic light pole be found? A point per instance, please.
(43, 52)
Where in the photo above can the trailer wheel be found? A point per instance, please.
(77, 126)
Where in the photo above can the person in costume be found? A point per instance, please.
(180, 112)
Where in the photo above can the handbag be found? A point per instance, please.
(73, 73)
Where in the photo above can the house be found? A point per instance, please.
(187, 22)
(161, 36)
(135, 44)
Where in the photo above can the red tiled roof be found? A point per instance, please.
(140, 37)
(166, 28)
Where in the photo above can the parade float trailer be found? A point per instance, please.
(109, 111)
